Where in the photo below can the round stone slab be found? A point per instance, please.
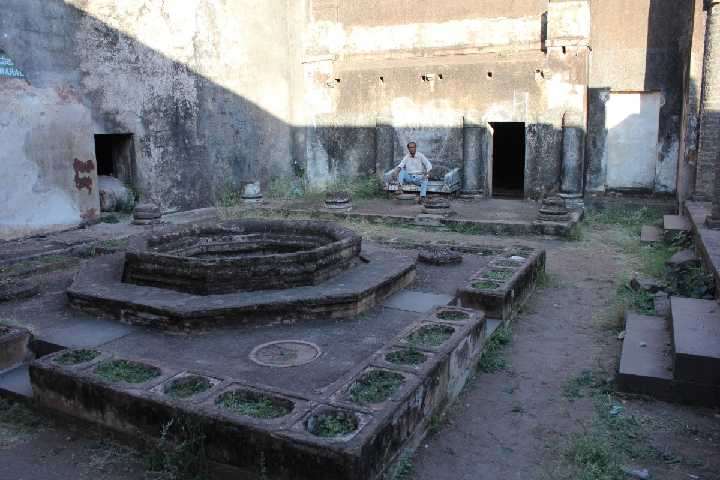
(16, 289)
(439, 256)
(285, 353)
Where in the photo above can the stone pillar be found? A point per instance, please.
(384, 142)
(573, 157)
(709, 104)
(474, 171)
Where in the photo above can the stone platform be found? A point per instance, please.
(98, 289)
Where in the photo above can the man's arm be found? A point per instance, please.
(428, 167)
(399, 167)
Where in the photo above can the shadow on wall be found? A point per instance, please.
(188, 132)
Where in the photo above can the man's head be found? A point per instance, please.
(411, 148)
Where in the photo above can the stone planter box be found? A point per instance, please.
(512, 276)
(237, 443)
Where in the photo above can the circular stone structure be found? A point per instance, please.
(285, 353)
(439, 256)
(240, 255)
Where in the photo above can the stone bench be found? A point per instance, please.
(449, 184)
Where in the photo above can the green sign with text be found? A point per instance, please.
(7, 67)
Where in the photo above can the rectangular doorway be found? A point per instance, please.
(113, 155)
(508, 160)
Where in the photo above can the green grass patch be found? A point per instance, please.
(406, 356)
(127, 371)
(16, 268)
(484, 285)
(430, 335)
(374, 387)
(21, 324)
(489, 363)
(453, 316)
(187, 386)
(179, 454)
(631, 222)
(332, 424)
(253, 404)
(498, 274)
(116, 243)
(52, 258)
(76, 357)
(110, 218)
(18, 422)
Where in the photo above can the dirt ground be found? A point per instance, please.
(550, 402)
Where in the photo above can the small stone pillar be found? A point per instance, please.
(251, 193)
(474, 148)
(146, 214)
(709, 137)
(436, 205)
(553, 209)
(573, 157)
(337, 199)
(384, 142)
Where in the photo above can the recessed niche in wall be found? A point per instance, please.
(489, 74)
(113, 153)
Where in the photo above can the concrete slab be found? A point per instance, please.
(16, 384)
(416, 301)
(674, 224)
(696, 340)
(90, 333)
(651, 234)
(645, 361)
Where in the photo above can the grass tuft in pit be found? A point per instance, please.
(187, 386)
(498, 274)
(127, 371)
(333, 424)
(252, 404)
(406, 356)
(76, 357)
(374, 387)
(4, 331)
(484, 285)
(453, 316)
(430, 335)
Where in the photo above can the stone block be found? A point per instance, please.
(645, 362)
(684, 259)
(695, 340)
(644, 285)
(14, 346)
(651, 234)
(674, 224)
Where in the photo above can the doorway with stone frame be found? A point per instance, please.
(507, 169)
(113, 153)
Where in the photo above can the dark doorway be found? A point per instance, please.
(112, 152)
(508, 163)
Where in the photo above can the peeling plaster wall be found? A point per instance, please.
(48, 180)
(427, 75)
(204, 86)
(648, 54)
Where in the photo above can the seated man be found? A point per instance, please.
(414, 164)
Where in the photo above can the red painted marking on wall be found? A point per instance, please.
(90, 213)
(83, 167)
(68, 95)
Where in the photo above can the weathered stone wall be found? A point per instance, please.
(204, 87)
(48, 180)
(646, 55)
(421, 70)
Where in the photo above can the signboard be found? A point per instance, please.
(7, 67)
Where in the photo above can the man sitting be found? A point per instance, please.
(414, 164)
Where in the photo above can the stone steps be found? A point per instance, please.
(678, 361)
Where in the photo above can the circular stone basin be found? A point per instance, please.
(240, 255)
(285, 353)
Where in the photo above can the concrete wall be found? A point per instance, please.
(649, 53)
(204, 86)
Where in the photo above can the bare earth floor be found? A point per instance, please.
(514, 423)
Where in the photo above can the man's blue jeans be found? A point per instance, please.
(403, 176)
